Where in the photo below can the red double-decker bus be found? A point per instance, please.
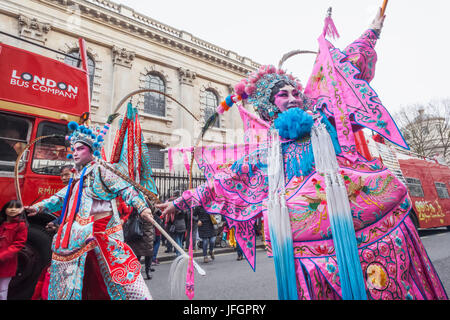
(38, 97)
(427, 183)
(428, 180)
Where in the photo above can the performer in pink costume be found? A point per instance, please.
(315, 260)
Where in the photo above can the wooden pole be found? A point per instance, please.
(383, 8)
(149, 193)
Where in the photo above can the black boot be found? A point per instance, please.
(148, 273)
(148, 267)
(148, 263)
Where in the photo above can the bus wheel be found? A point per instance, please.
(414, 219)
(32, 259)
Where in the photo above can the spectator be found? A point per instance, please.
(157, 239)
(142, 246)
(156, 244)
(170, 226)
(13, 236)
(179, 229)
(240, 254)
(206, 232)
(66, 174)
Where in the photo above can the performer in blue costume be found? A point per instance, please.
(91, 229)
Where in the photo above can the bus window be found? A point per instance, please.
(415, 187)
(441, 190)
(14, 135)
(50, 154)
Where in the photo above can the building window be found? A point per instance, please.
(14, 136)
(441, 189)
(155, 103)
(74, 60)
(415, 187)
(211, 102)
(50, 154)
(156, 156)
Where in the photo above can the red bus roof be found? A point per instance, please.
(31, 79)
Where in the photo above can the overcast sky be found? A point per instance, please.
(413, 51)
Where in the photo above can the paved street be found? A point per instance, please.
(228, 279)
(437, 243)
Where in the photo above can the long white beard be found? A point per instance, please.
(340, 216)
(279, 223)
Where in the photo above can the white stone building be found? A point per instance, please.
(128, 51)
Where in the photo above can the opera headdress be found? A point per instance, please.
(92, 137)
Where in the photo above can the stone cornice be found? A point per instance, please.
(132, 22)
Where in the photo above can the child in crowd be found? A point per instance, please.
(13, 235)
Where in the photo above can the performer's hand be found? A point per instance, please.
(377, 23)
(167, 209)
(147, 215)
(31, 211)
(51, 227)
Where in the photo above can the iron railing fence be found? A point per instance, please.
(169, 184)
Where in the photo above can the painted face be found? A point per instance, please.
(82, 154)
(65, 176)
(288, 97)
(13, 212)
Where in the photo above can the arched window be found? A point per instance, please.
(74, 60)
(211, 101)
(156, 156)
(155, 103)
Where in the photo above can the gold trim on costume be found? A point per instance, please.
(84, 221)
(91, 245)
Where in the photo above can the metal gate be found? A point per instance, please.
(174, 184)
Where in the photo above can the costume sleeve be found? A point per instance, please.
(54, 203)
(133, 198)
(236, 195)
(361, 53)
(237, 191)
(188, 199)
(108, 186)
(19, 242)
